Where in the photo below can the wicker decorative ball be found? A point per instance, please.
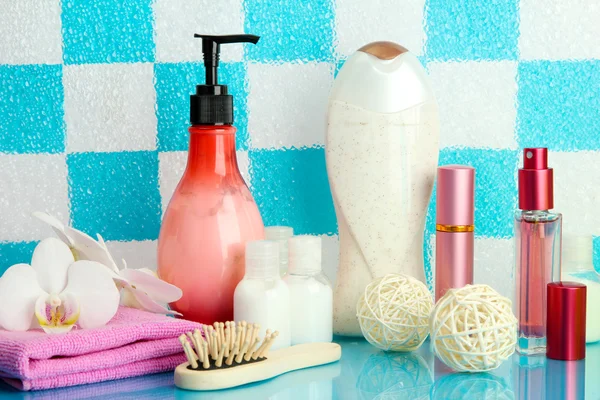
(473, 329)
(393, 312)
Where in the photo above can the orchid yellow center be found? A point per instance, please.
(57, 313)
(75, 253)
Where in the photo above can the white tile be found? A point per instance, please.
(331, 257)
(138, 254)
(287, 104)
(359, 22)
(30, 32)
(170, 170)
(31, 183)
(110, 107)
(558, 29)
(493, 264)
(576, 190)
(176, 21)
(477, 103)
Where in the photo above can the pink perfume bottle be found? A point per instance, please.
(538, 246)
(211, 216)
(455, 209)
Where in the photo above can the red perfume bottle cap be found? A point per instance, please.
(565, 326)
(536, 191)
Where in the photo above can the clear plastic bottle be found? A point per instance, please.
(538, 245)
(578, 266)
(311, 295)
(280, 234)
(262, 297)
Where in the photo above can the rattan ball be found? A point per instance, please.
(393, 313)
(473, 329)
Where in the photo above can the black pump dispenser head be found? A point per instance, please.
(211, 105)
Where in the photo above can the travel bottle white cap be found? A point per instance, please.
(577, 253)
(305, 254)
(280, 234)
(262, 259)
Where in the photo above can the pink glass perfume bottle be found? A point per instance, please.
(538, 246)
(211, 216)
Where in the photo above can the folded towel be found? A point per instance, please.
(133, 343)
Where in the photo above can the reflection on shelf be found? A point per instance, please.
(541, 378)
(471, 386)
(395, 376)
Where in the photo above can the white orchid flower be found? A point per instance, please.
(59, 291)
(141, 287)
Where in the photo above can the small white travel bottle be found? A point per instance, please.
(262, 297)
(311, 295)
(578, 266)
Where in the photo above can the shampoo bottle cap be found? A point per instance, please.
(211, 105)
(305, 254)
(262, 259)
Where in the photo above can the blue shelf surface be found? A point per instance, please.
(364, 372)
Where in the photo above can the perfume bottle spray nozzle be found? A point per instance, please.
(536, 187)
(535, 158)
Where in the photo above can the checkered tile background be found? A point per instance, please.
(94, 108)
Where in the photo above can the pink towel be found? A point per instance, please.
(134, 343)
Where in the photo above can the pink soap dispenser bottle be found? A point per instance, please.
(211, 216)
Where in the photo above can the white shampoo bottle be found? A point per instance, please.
(382, 146)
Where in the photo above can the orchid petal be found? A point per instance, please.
(91, 283)
(57, 313)
(56, 225)
(136, 298)
(157, 289)
(111, 260)
(89, 249)
(19, 290)
(51, 259)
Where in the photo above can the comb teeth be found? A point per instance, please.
(225, 345)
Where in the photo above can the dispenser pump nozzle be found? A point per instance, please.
(212, 105)
(211, 49)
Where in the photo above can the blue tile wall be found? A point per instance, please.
(115, 194)
(31, 109)
(292, 30)
(291, 188)
(467, 30)
(559, 101)
(120, 194)
(15, 253)
(107, 31)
